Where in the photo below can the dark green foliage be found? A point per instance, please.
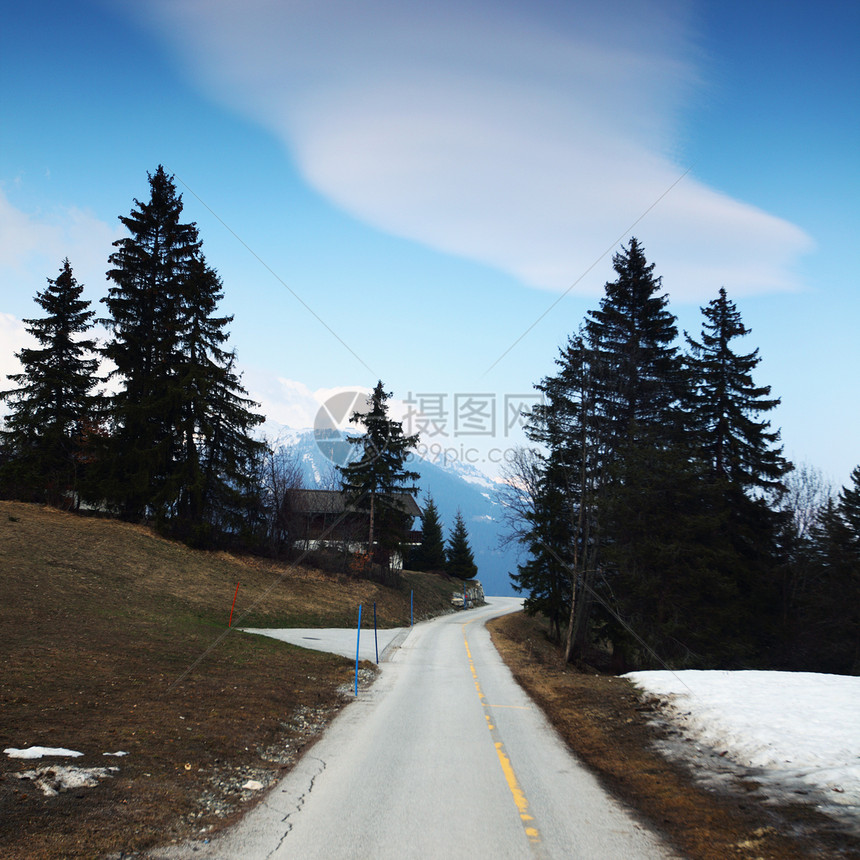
(568, 424)
(742, 462)
(849, 508)
(547, 576)
(460, 561)
(637, 373)
(430, 555)
(53, 411)
(215, 476)
(654, 523)
(827, 611)
(646, 496)
(147, 302)
(180, 449)
(376, 477)
(725, 403)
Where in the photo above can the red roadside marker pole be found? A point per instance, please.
(230, 622)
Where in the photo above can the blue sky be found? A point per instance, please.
(429, 179)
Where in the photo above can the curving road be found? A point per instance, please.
(444, 756)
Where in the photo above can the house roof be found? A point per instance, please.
(335, 502)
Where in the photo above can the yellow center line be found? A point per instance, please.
(520, 800)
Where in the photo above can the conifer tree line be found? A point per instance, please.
(654, 513)
(454, 557)
(168, 434)
(171, 439)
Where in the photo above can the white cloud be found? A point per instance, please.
(290, 403)
(34, 245)
(13, 338)
(284, 402)
(530, 137)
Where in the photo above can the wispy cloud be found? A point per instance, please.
(525, 136)
(13, 338)
(34, 244)
(32, 248)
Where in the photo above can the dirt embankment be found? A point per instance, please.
(116, 640)
(609, 727)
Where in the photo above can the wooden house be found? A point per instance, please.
(326, 518)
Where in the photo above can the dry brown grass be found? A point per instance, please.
(605, 722)
(112, 638)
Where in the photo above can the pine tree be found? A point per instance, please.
(378, 475)
(614, 404)
(645, 493)
(670, 547)
(828, 613)
(743, 465)
(54, 404)
(181, 448)
(639, 376)
(430, 555)
(460, 561)
(548, 574)
(736, 446)
(568, 423)
(849, 508)
(147, 304)
(215, 475)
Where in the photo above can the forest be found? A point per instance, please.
(661, 523)
(168, 435)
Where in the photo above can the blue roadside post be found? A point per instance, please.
(375, 638)
(357, 641)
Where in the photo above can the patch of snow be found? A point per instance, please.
(117, 753)
(54, 778)
(792, 728)
(253, 785)
(40, 752)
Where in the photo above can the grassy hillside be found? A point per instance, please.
(114, 639)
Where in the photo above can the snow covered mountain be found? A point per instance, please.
(452, 485)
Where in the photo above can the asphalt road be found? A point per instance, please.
(444, 756)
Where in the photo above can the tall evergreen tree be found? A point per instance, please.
(588, 456)
(640, 377)
(459, 557)
(548, 574)
(374, 479)
(563, 522)
(147, 303)
(743, 463)
(828, 612)
(726, 403)
(645, 487)
(430, 555)
(661, 518)
(54, 404)
(215, 478)
(181, 448)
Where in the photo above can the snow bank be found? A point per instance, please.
(795, 725)
(39, 752)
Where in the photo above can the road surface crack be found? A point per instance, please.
(300, 802)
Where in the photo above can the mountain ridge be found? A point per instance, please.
(454, 486)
